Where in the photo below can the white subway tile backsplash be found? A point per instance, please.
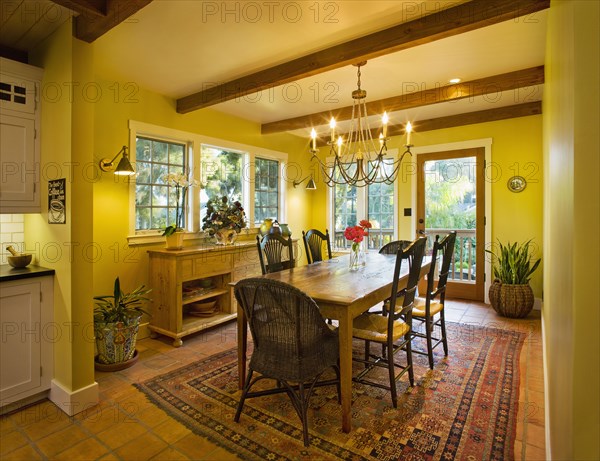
(12, 232)
(12, 227)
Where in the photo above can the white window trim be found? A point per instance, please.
(195, 141)
(393, 154)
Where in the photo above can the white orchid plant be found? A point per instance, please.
(181, 182)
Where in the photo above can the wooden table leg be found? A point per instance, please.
(345, 339)
(242, 337)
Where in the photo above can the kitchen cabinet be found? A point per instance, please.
(19, 137)
(28, 333)
(185, 282)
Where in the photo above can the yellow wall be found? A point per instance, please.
(50, 242)
(572, 203)
(516, 147)
(111, 194)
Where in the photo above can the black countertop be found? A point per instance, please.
(8, 273)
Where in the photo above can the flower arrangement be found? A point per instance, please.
(222, 213)
(181, 182)
(356, 234)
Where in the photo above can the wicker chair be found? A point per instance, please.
(292, 343)
(426, 308)
(313, 245)
(272, 247)
(392, 328)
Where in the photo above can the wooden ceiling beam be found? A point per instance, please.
(489, 85)
(93, 8)
(446, 23)
(96, 17)
(467, 118)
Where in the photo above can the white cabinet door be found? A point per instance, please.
(19, 137)
(19, 171)
(21, 341)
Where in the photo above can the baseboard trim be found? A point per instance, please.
(73, 402)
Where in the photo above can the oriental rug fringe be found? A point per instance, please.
(466, 408)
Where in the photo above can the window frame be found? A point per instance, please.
(194, 142)
(362, 201)
(187, 164)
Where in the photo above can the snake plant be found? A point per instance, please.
(514, 263)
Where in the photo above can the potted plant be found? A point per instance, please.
(174, 232)
(224, 219)
(510, 293)
(116, 323)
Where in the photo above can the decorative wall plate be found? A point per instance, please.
(517, 183)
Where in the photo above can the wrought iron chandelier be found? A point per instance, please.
(357, 160)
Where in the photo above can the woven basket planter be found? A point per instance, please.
(514, 301)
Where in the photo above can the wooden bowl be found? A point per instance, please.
(202, 308)
(20, 261)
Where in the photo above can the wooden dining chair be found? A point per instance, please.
(271, 251)
(392, 328)
(313, 244)
(292, 343)
(392, 248)
(426, 308)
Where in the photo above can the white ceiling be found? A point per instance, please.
(178, 47)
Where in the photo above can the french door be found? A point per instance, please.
(450, 197)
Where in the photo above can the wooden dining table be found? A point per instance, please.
(341, 295)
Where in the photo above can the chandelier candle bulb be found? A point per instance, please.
(385, 120)
(313, 137)
(359, 161)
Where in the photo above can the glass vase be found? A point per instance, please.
(356, 256)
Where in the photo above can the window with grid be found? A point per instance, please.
(266, 189)
(376, 203)
(155, 200)
(221, 173)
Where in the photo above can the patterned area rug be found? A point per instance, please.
(464, 409)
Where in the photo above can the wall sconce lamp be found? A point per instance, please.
(123, 168)
(310, 185)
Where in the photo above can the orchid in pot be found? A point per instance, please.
(181, 183)
(356, 235)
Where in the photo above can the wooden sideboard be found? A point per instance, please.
(199, 274)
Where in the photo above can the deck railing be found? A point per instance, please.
(463, 262)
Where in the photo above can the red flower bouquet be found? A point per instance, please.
(356, 234)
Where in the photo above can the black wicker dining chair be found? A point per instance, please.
(314, 240)
(425, 309)
(272, 248)
(392, 327)
(292, 343)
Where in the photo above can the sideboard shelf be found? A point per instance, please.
(191, 275)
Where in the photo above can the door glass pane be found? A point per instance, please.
(450, 204)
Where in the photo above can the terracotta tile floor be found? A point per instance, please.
(125, 426)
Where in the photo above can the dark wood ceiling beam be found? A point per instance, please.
(93, 8)
(446, 23)
(467, 118)
(496, 84)
(99, 16)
